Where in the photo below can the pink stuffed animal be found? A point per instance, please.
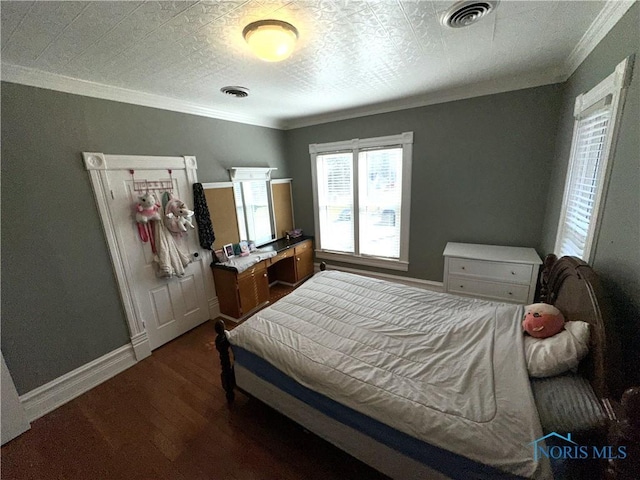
(542, 320)
(147, 209)
(178, 216)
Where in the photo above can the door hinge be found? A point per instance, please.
(144, 325)
(112, 196)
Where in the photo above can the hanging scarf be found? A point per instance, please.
(205, 228)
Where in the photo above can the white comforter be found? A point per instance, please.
(445, 369)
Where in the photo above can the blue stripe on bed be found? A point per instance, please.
(451, 464)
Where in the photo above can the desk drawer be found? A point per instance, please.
(508, 272)
(492, 290)
(258, 269)
(302, 247)
(284, 254)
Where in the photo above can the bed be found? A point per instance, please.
(417, 384)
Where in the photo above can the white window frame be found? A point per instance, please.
(404, 140)
(614, 85)
(241, 175)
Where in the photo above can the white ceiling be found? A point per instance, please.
(353, 57)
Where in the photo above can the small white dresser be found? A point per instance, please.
(491, 271)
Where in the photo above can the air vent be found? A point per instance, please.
(235, 91)
(463, 14)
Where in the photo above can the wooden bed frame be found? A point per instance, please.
(573, 287)
(568, 283)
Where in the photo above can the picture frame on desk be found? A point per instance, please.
(228, 250)
(220, 256)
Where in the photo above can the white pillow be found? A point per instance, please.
(551, 356)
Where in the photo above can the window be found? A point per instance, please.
(596, 113)
(252, 195)
(253, 211)
(362, 199)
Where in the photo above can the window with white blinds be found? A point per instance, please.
(335, 201)
(362, 196)
(585, 187)
(583, 183)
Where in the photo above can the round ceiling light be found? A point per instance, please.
(271, 40)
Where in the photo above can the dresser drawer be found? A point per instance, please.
(508, 272)
(494, 290)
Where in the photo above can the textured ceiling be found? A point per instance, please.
(351, 54)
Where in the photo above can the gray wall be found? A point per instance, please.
(60, 304)
(480, 171)
(617, 256)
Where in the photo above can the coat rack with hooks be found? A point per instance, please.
(144, 186)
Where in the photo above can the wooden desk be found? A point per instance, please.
(240, 294)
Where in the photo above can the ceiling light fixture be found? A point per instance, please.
(271, 40)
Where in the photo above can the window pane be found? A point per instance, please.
(583, 186)
(252, 204)
(335, 201)
(380, 196)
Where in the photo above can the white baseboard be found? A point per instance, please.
(141, 345)
(50, 396)
(411, 281)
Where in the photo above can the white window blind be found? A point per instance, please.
(596, 113)
(583, 182)
(335, 201)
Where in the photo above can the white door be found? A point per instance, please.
(14, 419)
(172, 306)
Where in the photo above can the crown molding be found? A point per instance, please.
(610, 14)
(463, 92)
(53, 81)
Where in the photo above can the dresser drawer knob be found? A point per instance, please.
(510, 293)
(462, 268)
(461, 286)
(513, 273)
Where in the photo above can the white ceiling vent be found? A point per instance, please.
(235, 91)
(463, 14)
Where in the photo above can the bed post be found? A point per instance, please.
(626, 432)
(227, 376)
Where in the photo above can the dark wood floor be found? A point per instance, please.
(166, 418)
